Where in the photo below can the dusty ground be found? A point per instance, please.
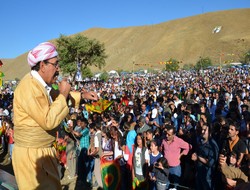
(75, 184)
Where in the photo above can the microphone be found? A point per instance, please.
(71, 100)
(59, 79)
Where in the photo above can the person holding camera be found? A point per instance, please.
(232, 175)
(161, 173)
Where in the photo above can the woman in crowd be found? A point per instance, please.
(140, 162)
(119, 155)
(107, 146)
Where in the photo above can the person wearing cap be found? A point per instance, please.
(131, 108)
(36, 120)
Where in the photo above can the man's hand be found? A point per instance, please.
(194, 157)
(222, 160)
(64, 88)
(89, 95)
(231, 182)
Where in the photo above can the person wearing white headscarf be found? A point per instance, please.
(36, 120)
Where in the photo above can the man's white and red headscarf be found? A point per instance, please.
(43, 51)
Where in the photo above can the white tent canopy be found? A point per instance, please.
(235, 63)
(113, 73)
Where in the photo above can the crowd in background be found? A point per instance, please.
(180, 130)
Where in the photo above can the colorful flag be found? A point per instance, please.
(125, 100)
(100, 106)
(111, 174)
(139, 185)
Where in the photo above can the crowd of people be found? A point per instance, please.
(180, 130)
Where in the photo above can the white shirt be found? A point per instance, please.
(176, 103)
(117, 151)
(154, 113)
(138, 167)
(96, 141)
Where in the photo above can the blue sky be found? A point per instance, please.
(24, 24)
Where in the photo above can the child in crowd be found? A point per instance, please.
(161, 173)
(149, 137)
(153, 157)
(10, 135)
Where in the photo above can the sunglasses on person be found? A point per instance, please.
(56, 64)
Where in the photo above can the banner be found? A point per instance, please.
(139, 185)
(111, 174)
(99, 106)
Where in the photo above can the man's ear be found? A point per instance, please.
(237, 132)
(42, 66)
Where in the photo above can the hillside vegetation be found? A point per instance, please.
(185, 39)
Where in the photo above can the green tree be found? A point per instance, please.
(86, 73)
(188, 66)
(172, 65)
(104, 76)
(247, 57)
(80, 49)
(203, 63)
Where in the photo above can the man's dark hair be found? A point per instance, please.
(170, 127)
(150, 131)
(234, 123)
(83, 119)
(36, 67)
(92, 126)
(98, 126)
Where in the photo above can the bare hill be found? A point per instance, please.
(184, 39)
